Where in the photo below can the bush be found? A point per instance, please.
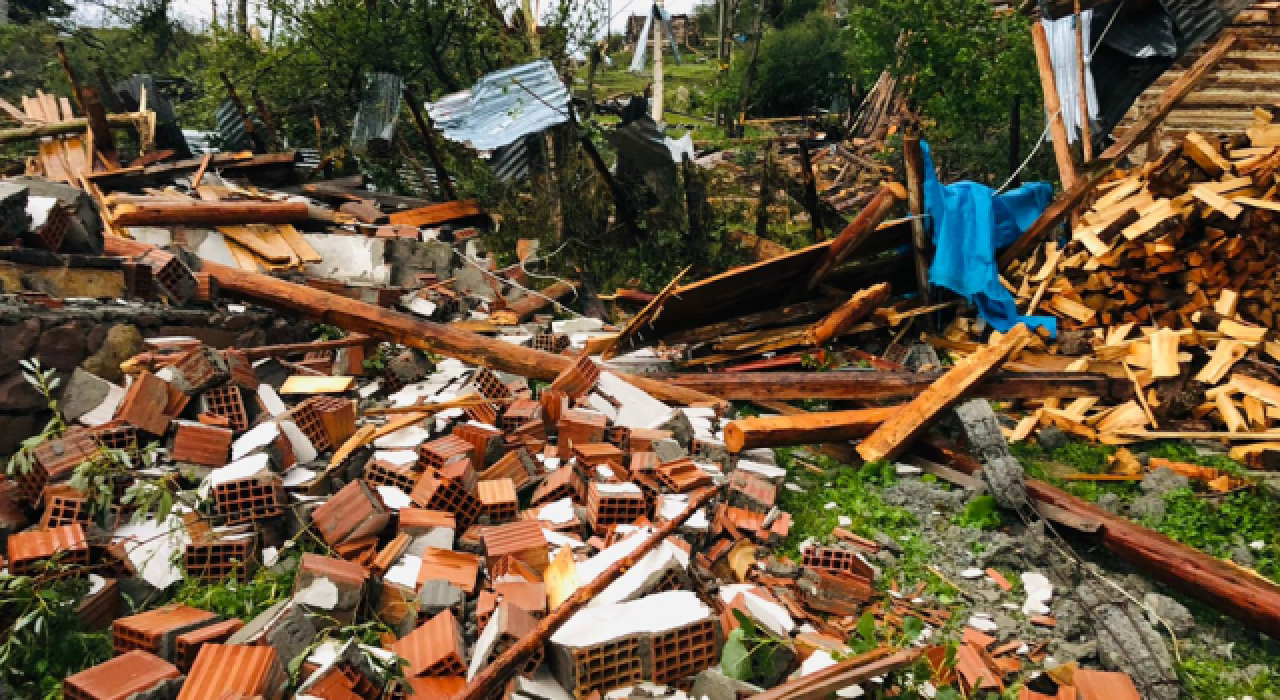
(801, 67)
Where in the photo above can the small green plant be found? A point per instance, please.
(821, 362)
(46, 382)
(751, 654)
(323, 331)
(243, 599)
(46, 641)
(982, 513)
(379, 360)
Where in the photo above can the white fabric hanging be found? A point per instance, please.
(1062, 51)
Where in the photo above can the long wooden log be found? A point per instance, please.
(70, 126)
(157, 212)
(854, 385)
(890, 438)
(859, 669)
(496, 673)
(1053, 107)
(853, 235)
(1248, 598)
(921, 248)
(804, 429)
(1138, 134)
(859, 306)
(531, 304)
(375, 321)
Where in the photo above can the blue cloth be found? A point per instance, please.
(970, 223)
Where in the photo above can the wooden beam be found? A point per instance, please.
(70, 126)
(1247, 597)
(894, 435)
(921, 248)
(865, 223)
(496, 674)
(531, 304)
(1053, 107)
(404, 329)
(804, 429)
(436, 214)
(879, 385)
(159, 212)
(1141, 131)
(838, 322)
(1082, 74)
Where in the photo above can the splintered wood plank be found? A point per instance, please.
(1225, 206)
(1225, 355)
(1230, 414)
(263, 241)
(1242, 332)
(1256, 388)
(894, 434)
(1023, 430)
(1226, 303)
(1258, 203)
(1071, 309)
(304, 384)
(1160, 211)
(1121, 191)
(1205, 154)
(1164, 354)
(1116, 334)
(642, 320)
(245, 259)
(1129, 414)
(1256, 412)
(298, 244)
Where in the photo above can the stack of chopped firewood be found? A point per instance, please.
(1167, 284)
(1194, 233)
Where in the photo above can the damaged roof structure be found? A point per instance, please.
(219, 370)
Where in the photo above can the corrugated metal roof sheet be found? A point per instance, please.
(1247, 77)
(503, 106)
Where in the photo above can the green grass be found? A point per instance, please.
(856, 492)
(694, 75)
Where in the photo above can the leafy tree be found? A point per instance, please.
(800, 68)
(961, 64)
(23, 11)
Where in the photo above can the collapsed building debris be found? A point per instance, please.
(475, 491)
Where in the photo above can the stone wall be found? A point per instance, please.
(98, 335)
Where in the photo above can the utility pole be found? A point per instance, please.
(657, 60)
(721, 54)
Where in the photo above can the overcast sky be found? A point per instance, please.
(198, 12)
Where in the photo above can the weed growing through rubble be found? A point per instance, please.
(46, 382)
(981, 513)
(231, 598)
(856, 493)
(750, 653)
(45, 641)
